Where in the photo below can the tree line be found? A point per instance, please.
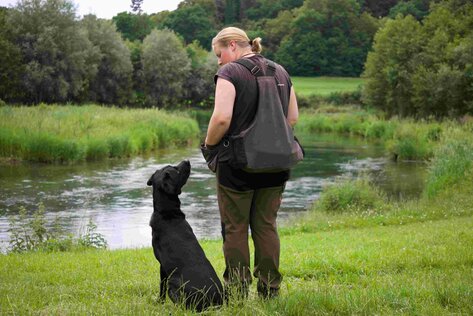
(49, 55)
(164, 59)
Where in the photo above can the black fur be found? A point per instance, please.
(186, 273)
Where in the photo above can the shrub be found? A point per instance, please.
(452, 161)
(92, 239)
(379, 129)
(32, 232)
(314, 123)
(29, 232)
(342, 98)
(353, 195)
(411, 142)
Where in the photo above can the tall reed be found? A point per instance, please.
(405, 139)
(452, 162)
(53, 133)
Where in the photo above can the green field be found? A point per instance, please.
(324, 86)
(332, 264)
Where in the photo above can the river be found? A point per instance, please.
(114, 195)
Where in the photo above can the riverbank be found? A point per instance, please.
(404, 139)
(67, 134)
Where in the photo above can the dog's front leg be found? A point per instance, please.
(163, 285)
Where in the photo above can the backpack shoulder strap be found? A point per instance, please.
(271, 68)
(255, 69)
(251, 66)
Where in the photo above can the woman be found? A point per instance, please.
(246, 199)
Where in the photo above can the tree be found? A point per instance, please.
(305, 52)
(389, 66)
(261, 9)
(424, 70)
(232, 11)
(327, 37)
(192, 23)
(273, 32)
(199, 84)
(138, 82)
(112, 84)
(11, 66)
(58, 58)
(442, 83)
(133, 26)
(136, 5)
(378, 8)
(417, 8)
(220, 10)
(165, 68)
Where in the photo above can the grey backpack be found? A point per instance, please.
(268, 144)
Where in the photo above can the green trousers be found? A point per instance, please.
(257, 210)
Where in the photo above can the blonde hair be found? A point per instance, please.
(239, 36)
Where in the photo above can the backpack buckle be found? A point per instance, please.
(255, 70)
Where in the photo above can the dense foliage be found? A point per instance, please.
(112, 83)
(327, 38)
(424, 69)
(420, 63)
(51, 56)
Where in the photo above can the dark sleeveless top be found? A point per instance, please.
(244, 111)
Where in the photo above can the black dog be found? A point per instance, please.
(186, 273)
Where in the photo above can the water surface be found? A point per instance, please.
(114, 195)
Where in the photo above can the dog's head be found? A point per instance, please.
(171, 179)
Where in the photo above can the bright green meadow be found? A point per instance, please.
(324, 86)
(53, 133)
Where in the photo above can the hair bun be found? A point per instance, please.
(256, 45)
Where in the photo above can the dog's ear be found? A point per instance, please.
(150, 181)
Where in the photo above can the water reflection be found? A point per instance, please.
(115, 196)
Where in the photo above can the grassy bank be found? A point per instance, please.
(75, 133)
(324, 86)
(354, 252)
(420, 267)
(405, 139)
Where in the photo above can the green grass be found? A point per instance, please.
(452, 161)
(52, 133)
(324, 86)
(405, 139)
(416, 268)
